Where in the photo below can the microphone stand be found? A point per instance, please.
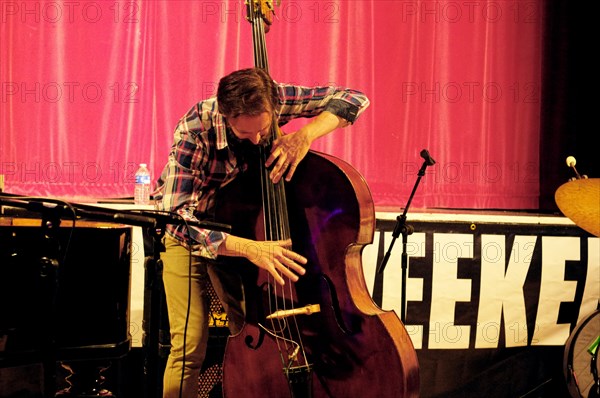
(154, 338)
(404, 229)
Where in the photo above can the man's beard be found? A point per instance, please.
(244, 150)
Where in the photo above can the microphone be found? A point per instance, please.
(134, 219)
(425, 155)
(571, 162)
(171, 218)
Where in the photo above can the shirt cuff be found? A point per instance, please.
(343, 109)
(206, 246)
(211, 247)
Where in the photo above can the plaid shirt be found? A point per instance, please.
(200, 161)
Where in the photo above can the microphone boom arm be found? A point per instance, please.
(404, 229)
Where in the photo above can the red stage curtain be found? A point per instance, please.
(89, 89)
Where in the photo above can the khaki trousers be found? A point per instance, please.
(185, 280)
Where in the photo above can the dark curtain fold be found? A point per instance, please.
(568, 106)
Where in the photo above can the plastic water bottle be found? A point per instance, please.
(141, 194)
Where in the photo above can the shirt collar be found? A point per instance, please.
(220, 127)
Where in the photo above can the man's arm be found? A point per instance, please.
(327, 108)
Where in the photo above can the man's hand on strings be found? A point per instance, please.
(273, 256)
(277, 259)
(286, 153)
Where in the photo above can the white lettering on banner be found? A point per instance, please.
(447, 289)
(554, 290)
(502, 289)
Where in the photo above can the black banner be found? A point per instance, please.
(490, 305)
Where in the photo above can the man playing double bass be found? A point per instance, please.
(209, 150)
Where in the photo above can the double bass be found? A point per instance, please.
(322, 336)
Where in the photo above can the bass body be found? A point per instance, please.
(349, 347)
